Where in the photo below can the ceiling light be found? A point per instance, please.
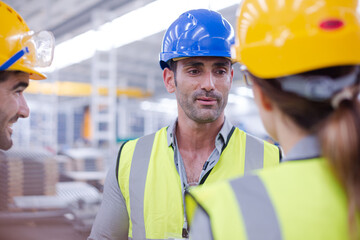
(135, 25)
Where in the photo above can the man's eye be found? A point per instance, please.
(193, 71)
(19, 91)
(221, 72)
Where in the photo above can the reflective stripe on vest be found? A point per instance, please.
(138, 173)
(256, 209)
(254, 157)
(254, 153)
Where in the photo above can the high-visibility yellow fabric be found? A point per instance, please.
(308, 200)
(232, 160)
(124, 174)
(308, 194)
(229, 221)
(163, 203)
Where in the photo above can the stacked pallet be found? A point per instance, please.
(26, 173)
(11, 180)
(65, 163)
(88, 166)
(86, 159)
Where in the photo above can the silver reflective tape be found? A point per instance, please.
(137, 180)
(256, 208)
(254, 154)
(202, 225)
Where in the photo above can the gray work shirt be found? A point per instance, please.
(112, 221)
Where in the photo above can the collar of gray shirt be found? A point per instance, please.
(220, 141)
(308, 147)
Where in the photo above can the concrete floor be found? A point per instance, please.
(45, 229)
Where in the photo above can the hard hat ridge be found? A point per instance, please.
(20, 48)
(279, 38)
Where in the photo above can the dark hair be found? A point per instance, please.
(338, 131)
(173, 67)
(4, 75)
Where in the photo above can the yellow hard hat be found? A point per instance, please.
(275, 38)
(20, 48)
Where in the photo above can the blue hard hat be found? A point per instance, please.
(195, 33)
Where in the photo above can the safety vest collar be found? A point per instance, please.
(221, 139)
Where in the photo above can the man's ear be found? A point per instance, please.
(261, 98)
(169, 80)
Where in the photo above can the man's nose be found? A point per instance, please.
(23, 108)
(208, 82)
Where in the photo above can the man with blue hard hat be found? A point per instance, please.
(144, 191)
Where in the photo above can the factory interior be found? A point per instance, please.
(104, 87)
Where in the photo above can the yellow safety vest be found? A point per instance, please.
(151, 185)
(297, 200)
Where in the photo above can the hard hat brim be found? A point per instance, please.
(34, 75)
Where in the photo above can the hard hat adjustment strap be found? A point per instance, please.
(14, 59)
(318, 88)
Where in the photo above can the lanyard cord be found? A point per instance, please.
(185, 230)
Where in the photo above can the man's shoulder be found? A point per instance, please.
(241, 133)
(133, 141)
(238, 132)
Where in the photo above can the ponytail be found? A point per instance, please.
(340, 142)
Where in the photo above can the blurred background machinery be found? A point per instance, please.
(105, 85)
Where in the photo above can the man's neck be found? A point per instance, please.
(196, 142)
(196, 136)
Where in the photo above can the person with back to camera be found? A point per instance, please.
(21, 51)
(302, 58)
(144, 189)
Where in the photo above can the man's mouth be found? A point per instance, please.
(10, 125)
(207, 100)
